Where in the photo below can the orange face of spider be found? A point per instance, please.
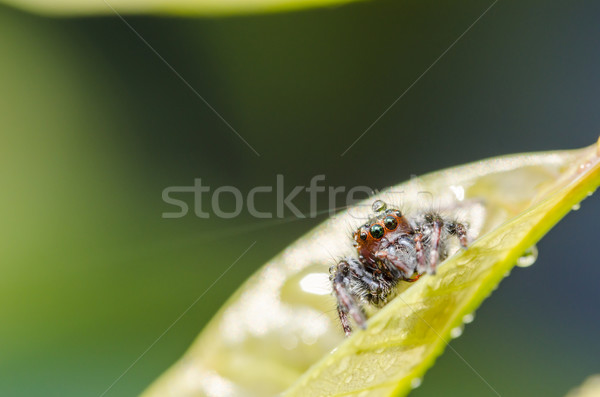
(385, 228)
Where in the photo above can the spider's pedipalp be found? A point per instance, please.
(395, 262)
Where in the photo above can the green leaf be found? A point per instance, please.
(280, 331)
(173, 7)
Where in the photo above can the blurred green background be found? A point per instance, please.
(93, 126)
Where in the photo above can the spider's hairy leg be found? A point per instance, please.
(344, 321)
(460, 231)
(420, 252)
(346, 299)
(436, 234)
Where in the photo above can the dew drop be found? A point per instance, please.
(584, 166)
(576, 207)
(456, 332)
(343, 365)
(348, 379)
(528, 258)
(468, 318)
(458, 191)
(416, 382)
(370, 378)
(389, 363)
(379, 206)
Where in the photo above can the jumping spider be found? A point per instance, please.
(390, 249)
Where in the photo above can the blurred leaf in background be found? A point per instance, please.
(179, 7)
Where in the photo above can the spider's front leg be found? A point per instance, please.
(438, 227)
(419, 252)
(460, 231)
(436, 224)
(343, 281)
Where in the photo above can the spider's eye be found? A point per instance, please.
(390, 222)
(377, 231)
(363, 236)
(398, 214)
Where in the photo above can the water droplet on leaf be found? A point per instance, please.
(379, 206)
(468, 318)
(416, 382)
(343, 365)
(456, 332)
(528, 258)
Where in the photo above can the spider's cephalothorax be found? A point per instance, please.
(390, 249)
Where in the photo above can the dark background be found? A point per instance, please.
(93, 126)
